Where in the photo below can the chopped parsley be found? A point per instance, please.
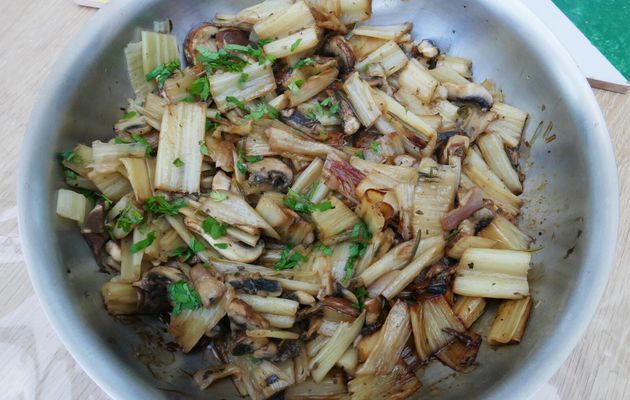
(360, 154)
(211, 125)
(221, 59)
(221, 246)
(313, 190)
(70, 156)
(294, 86)
(374, 146)
(129, 115)
(177, 162)
(318, 111)
(92, 195)
(70, 174)
(183, 296)
(237, 103)
(148, 149)
(200, 88)
(299, 203)
(263, 42)
(242, 79)
(263, 109)
(302, 63)
(182, 251)
(356, 250)
(258, 54)
(289, 259)
(360, 293)
(196, 246)
(296, 44)
(143, 244)
(218, 196)
(203, 148)
(128, 218)
(326, 250)
(214, 228)
(360, 231)
(161, 206)
(162, 72)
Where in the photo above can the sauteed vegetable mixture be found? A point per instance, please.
(330, 204)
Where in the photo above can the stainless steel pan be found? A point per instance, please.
(571, 192)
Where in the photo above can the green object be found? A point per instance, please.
(605, 24)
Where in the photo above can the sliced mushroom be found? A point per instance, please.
(270, 171)
(373, 311)
(201, 35)
(341, 305)
(243, 315)
(301, 122)
(93, 229)
(210, 289)
(350, 123)
(457, 146)
(267, 352)
(154, 283)
(288, 349)
(244, 344)
(259, 286)
(206, 377)
(339, 47)
(227, 246)
(231, 36)
(470, 92)
(428, 49)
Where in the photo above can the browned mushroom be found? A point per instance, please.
(206, 377)
(350, 123)
(455, 146)
(154, 283)
(339, 47)
(271, 172)
(210, 289)
(254, 285)
(242, 314)
(231, 36)
(244, 344)
(201, 35)
(93, 229)
(471, 93)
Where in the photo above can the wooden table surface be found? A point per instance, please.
(35, 365)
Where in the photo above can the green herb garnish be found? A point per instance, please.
(196, 246)
(203, 148)
(182, 251)
(294, 86)
(296, 44)
(162, 72)
(218, 196)
(360, 293)
(237, 103)
(242, 79)
(299, 203)
(302, 63)
(289, 259)
(177, 162)
(360, 231)
(160, 206)
(326, 250)
(201, 88)
(360, 154)
(129, 217)
(221, 246)
(263, 109)
(374, 146)
(214, 228)
(129, 115)
(70, 174)
(257, 54)
(356, 250)
(221, 59)
(143, 244)
(184, 297)
(452, 234)
(92, 195)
